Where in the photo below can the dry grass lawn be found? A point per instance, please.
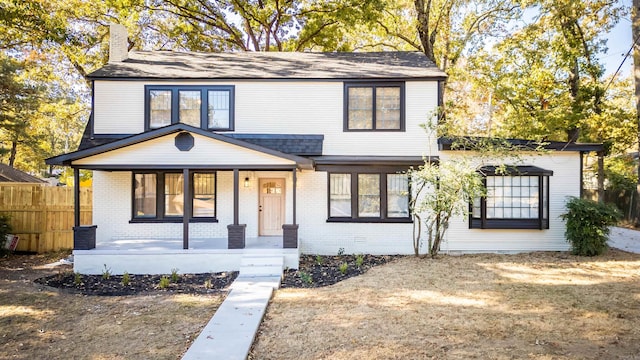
(41, 323)
(527, 306)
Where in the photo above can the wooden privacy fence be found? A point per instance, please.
(42, 215)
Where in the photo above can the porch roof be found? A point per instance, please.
(472, 142)
(268, 158)
(368, 160)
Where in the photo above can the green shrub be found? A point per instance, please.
(174, 275)
(106, 272)
(343, 268)
(305, 277)
(126, 279)
(164, 282)
(77, 279)
(620, 173)
(588, 225)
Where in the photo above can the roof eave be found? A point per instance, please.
(283, 78)
(445, 144)
(69, 158)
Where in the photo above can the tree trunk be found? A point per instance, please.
(12, 154)
(635, 31)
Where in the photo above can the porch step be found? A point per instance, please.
(261, 266)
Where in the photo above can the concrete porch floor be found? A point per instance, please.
(160, 256)
(261, 242)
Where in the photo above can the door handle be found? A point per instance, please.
(260, 208)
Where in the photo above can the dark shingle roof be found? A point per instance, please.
(302, 145)
(9, 174)
(271, 65)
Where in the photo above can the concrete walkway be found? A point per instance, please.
(624, 239)
(230, 333)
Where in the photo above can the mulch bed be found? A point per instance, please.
(314, 271)
(208, 283)
(319, 271)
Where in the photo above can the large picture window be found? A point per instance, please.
(374, 106)
(368, 197)
(517, 199)
(207, 107)
(159, 196)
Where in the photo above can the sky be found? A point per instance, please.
(619, 42)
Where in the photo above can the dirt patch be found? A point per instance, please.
(37, 321)
(533, 306)
(50, 310)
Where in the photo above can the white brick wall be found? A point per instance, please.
(112, 212)
(112, 208)
(564, 182)
(316, 236)
(294, 107)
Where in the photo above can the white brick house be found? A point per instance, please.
(287, 152)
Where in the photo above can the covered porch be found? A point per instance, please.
(138, 243)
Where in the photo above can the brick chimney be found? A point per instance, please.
(118, 43)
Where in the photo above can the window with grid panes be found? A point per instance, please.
(374, 106)
(517, 199)
(206, 107)
(159, 196)
(368, 197)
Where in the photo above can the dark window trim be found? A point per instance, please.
(160, 198)
(374, 85)
(534, 224)
(354, 171)
(539, 223)
(175, 92)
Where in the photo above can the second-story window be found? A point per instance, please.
(374, 106)
(207, 107)
(159, 108)
(190, 104)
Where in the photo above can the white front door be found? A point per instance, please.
(271, 207)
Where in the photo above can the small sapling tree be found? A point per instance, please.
(442, 191)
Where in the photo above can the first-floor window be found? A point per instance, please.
(397, 196)
(160, 195)
(368, 196)
(144, 195)
(340, 195)
(204, 195)
(173, 195)
(515, 199)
